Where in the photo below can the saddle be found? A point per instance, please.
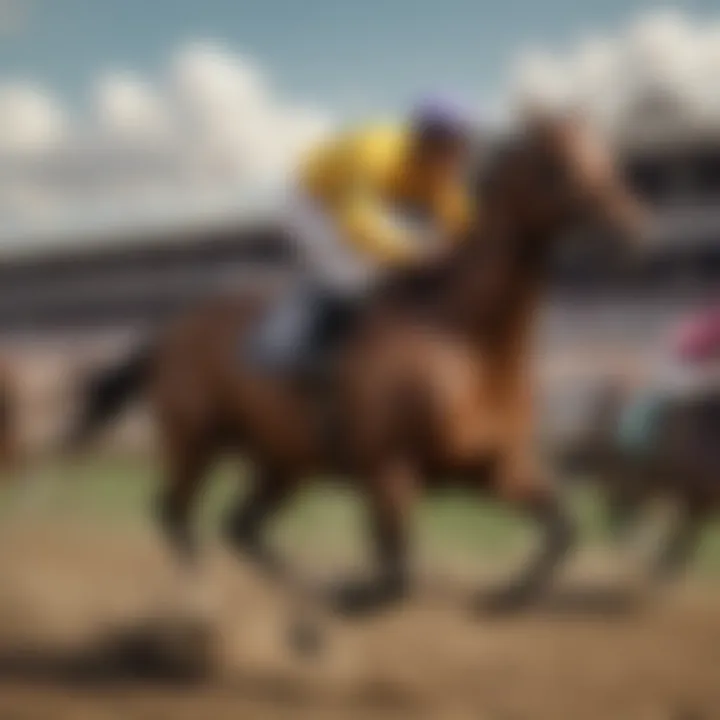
(335, 318)
(302, 335)
(314, 373)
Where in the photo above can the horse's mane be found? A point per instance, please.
(492, 163)
(421, 284)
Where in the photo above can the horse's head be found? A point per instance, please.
(558, 175)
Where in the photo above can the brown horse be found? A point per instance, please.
(430, 387)
(679, 462)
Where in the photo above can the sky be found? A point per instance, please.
(116, 111)
(356, 56)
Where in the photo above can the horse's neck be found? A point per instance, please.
(493, 289)
(487, 289)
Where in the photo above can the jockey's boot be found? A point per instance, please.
(333, 321)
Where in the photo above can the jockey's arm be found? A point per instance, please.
(370, 227)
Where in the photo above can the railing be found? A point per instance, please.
(127, 284)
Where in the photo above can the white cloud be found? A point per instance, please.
(31, 120)
(128, 106)
(663, 62)
(210, 81)
(209, 131)
(240, 125)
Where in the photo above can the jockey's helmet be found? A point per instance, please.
(442, 117)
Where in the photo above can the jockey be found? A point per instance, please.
(688, 369)
(366, 201)
(691, 360)
(696, 353)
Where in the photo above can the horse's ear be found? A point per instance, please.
(575, 116)
(533, 113)
(542, 117)
(537, 119)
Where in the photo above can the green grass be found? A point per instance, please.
(322, 520)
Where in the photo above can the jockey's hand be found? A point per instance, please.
(423, 237)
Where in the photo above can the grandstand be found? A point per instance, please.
(122, 281)
(81, 301)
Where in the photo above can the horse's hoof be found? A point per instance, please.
(354, 599)
(361, 599)
(510, 601)
(305, 639)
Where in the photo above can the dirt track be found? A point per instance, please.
(64, 593)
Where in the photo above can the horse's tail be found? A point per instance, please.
(106, 393)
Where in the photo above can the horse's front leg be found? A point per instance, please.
(519, 478)
(679, 545)
(246, 523)
(531, 491)
(245, 528)
(391, 491)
